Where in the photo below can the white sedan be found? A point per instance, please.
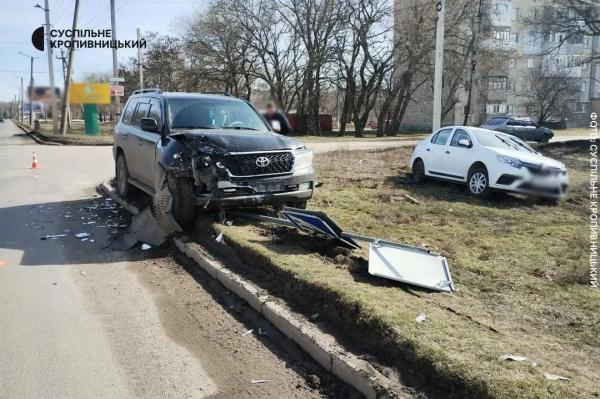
(485, 161)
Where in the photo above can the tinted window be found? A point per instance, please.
(495, 121)
(513, 123)
(142, 111)
(459, 134)
(441, 137)
(128, 113)
(213, 113)
(155, 112)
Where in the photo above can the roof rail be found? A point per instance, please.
(221, 93)
(155, 90)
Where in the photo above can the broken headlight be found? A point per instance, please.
(303, 158)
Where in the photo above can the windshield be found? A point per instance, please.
(213, 113)
(488, 138)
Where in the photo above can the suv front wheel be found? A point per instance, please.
(182, 191)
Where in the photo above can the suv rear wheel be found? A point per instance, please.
(122, 175)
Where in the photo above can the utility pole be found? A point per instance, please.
(63, 61)
(113, 29)
(440, 6)
(473, 76)
(21, 96)
(30, 87)
(140, 61)
(46, 9)
(65, 104)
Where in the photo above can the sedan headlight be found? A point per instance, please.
(303, 158)
(514, 162)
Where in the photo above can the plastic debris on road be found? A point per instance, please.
(146, 247)
(421, 318)
(219, 237)
(82, 235)
(259, 381)
(247, 332)
(53, 236)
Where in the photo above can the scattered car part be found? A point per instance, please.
(416, 266)
(143, 228)
(405, 263)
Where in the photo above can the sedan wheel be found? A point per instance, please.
(478, 183)
(122, 172)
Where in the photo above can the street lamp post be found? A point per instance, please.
(30, 87)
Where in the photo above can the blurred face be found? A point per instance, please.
(271, 109)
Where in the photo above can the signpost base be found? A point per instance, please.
(90, 117)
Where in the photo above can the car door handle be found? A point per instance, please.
(447, 152)
(428, 149)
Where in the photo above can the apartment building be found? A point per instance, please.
(517, 49)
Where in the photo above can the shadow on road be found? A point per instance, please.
(67, 232)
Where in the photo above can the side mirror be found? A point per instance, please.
(464, 143)
(276, 126)
(149, 125)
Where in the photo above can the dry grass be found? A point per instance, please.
(76, 135)
(519, 266)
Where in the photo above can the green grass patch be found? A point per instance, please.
(520, 269)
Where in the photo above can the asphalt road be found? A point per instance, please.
(78, 320)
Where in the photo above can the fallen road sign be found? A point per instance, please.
(318, 223)
(395, 261)
(410, 266)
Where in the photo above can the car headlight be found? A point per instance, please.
(303, 158)
(514, 162)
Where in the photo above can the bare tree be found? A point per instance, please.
(365, 54)
(275, 47)
(219, 51)
(316, 23)
(547, 89)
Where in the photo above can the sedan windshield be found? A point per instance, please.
(213, 113)
(488, 138)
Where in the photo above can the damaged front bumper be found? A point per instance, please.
(256, 191)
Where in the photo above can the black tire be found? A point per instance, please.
(183, 208)
(478, 182)
(122, 176)
(418, 171)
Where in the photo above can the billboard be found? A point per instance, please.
(90, 93)
(43, 94)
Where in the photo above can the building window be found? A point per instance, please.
(501, 34)
(579, 107)
(495, 108)
(530, 63)
(576, 39)
(498, 83)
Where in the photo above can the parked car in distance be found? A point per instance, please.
(487, 160)
(215, 151)
(523, 128)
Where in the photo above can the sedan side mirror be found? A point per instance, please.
(149, 125)
(464, 143)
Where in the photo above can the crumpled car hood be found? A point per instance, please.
(241, 141)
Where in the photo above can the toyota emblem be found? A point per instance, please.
(262, 162)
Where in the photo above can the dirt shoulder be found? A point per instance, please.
(519, 266)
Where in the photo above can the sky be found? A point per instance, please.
(19, 18)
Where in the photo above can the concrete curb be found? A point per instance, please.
(320, 346)
(105, 186)
(31, 133)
